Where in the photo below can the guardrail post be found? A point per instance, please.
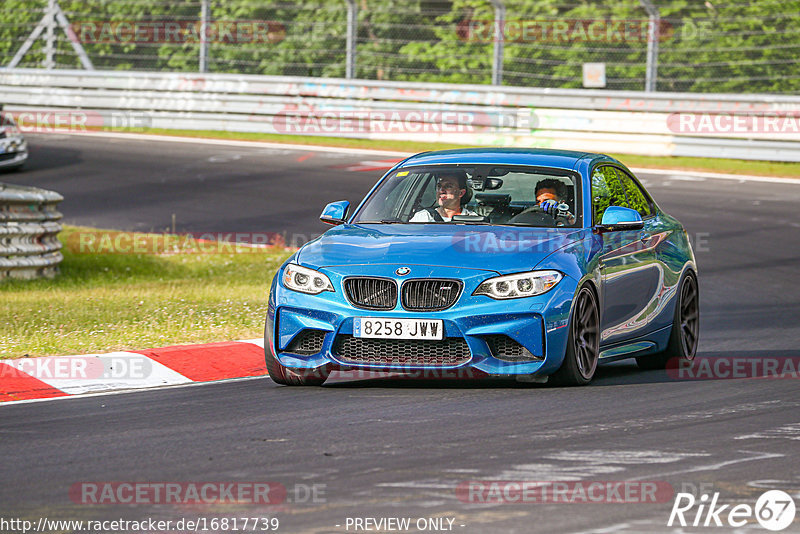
(53, 14)
(50, 35)
(204, 17)
(499, 41)
(651, 72)
(352, 28)
(29, 227)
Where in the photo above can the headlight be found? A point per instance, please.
(514, 286)
(305, 280)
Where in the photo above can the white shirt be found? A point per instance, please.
(425, 216)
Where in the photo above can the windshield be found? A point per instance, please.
(501, 195)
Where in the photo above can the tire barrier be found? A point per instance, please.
(29, 227)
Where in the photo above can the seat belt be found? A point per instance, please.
(435, 214)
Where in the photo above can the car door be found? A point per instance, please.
(655, 236)
(628, 269)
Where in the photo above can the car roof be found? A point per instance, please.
(543, 157)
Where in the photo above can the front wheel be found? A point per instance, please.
(583, 344)
(292, 377)
(682, 345)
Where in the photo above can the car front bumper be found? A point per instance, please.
(475, 323)
(13, 151)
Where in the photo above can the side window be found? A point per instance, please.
(607, 190)
(636, 197)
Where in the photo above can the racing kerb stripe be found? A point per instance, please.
(215, 361)
(27, 379)
(16, 385)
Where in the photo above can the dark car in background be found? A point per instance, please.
(13, 147)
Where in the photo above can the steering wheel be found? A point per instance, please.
(534, 215)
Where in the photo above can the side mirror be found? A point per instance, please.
(335, 212)
(617, 218)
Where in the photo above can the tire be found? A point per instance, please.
(682, 345)
(15, 168)
(583, 343)
(293, 377)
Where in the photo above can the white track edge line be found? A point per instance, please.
(236, 142)
(367, 151)
(718, 176)
(126, 391)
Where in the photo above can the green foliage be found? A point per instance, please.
(635, 198)
(732, 47)
(606, 191)
(612, 187)
(737, 46)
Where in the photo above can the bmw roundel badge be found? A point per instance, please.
(402, 271)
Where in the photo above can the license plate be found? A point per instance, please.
(377, 327)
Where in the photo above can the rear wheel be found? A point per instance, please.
(288, 376)
(583, 344)
(682, 345)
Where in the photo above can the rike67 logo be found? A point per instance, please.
(774, 510)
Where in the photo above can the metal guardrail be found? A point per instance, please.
(602, 121)
(29, 227)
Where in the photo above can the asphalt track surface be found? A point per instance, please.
(399, 448)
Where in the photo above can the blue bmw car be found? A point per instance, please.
(526, 263)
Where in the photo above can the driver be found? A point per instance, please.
(451, 195)
(549, 195)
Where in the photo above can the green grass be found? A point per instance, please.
(103, 302)
(731, 166)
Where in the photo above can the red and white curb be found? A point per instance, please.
(26, 379)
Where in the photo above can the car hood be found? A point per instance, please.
(501, 249)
